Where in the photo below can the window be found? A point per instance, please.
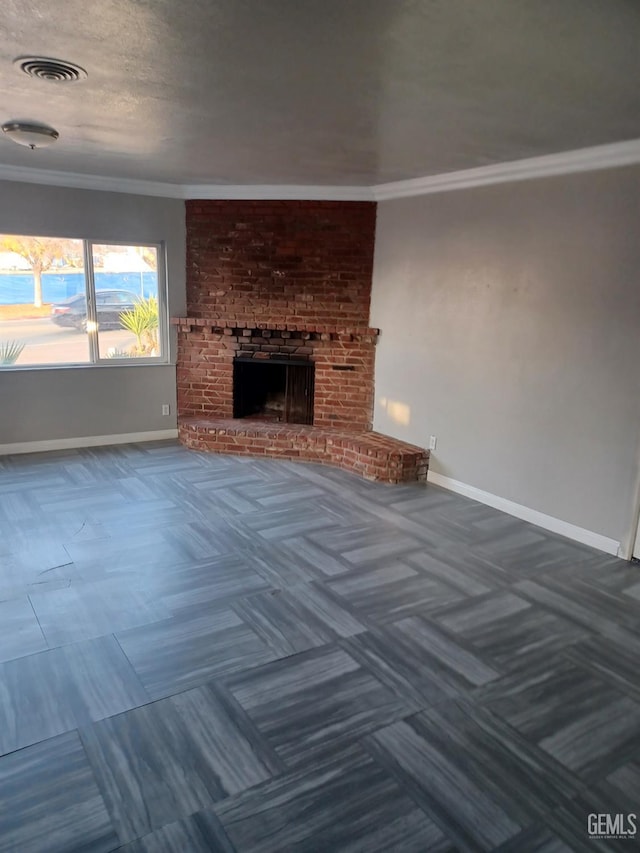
(74, 302)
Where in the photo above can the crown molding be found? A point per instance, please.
(564, 163)
(277, 192)
(75, 180)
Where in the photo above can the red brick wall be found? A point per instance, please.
(293, 267)
(291, 262)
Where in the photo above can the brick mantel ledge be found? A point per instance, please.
(299, 325)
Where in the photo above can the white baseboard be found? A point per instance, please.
(86, 441)
(548, 522)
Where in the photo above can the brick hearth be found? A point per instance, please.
(288, 280)
(370, 454)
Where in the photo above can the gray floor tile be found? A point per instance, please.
(52, 692)
(271, 495)
(337, 617)
(34, 567)
(189, 650)
(201, 832)
(472, 616)
(601, 613)
(480, 781)
(613, 659)
(605, 603)
(140, 549)
(532, 553)
(570, 823)
(366, 544)
(225, 739)
(146, 516)
(92, 609)
(346, 803)
(20, 631)
(212, 580)
(50, 801)
(147, 769)
(200, 540)
(627, 779)
(602, 570)
(534, 839)
(581, 720)
(287, 616)
(597, 741)
(471, 817)
(459, 578)
(31, 706)
(466, 563)
(508, 630)
(314, 703)
(392, 591)
(162, 762)
(280, 620)
(443, 654)
(633, 590)
(325, 564)
(282, 566)
(401, 667)
(101, 679)
(277, 524)
(80, 498)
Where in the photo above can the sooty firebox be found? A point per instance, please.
(273, 389)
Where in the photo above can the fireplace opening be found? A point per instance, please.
(273, 390)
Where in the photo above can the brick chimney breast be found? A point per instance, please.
(279, 279)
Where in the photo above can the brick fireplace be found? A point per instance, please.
(275, 355)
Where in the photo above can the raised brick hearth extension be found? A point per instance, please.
(285, 280)
(373, 456)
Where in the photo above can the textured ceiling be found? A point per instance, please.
(335, 92)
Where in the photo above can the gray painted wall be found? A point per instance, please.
(37, 405)
(510, 320)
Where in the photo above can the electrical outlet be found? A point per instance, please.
(432, 442)
(166, 409)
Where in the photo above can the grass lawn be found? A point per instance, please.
(23, 312)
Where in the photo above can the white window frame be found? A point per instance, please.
(95, 360)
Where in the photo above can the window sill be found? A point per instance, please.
(21, 368)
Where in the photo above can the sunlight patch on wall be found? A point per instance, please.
(398, 412)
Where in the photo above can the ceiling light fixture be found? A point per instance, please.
(29, 134)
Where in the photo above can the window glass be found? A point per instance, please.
(53, 311)
(42, 301)
(127, 308)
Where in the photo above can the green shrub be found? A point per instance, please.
(10, 351)
(143, 321)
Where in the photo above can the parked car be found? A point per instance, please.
(109, 306)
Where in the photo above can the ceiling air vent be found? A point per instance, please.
(54, 70)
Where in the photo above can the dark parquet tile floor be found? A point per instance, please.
(208, 653)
